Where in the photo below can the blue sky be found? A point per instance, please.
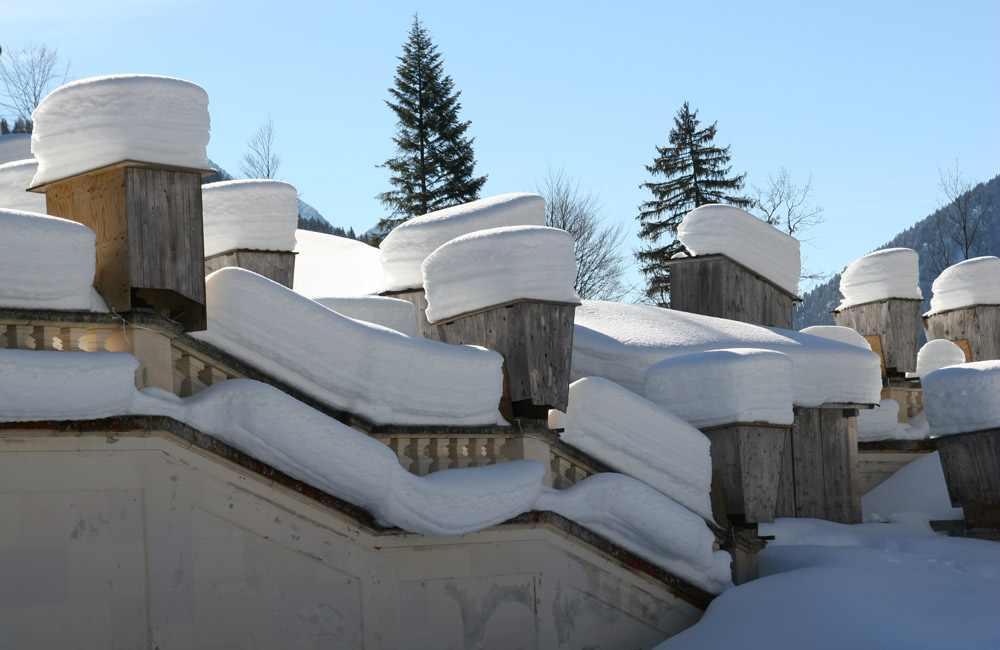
(869, 98)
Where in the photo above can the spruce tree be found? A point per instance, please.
(697, 173)
(434, 163)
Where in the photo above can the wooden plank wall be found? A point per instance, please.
(819, 472)
(896, 322)
(714, 285)
(979, 325)
(275, 265)
(748, 459)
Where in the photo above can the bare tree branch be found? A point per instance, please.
(28, 75)
(787, 207)
(261, 161)
(960, 220)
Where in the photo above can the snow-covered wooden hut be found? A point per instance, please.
(965, 308)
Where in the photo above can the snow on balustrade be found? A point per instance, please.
(371, 371)
(744, 238)
(15, 178)
(406, 247)
(717, 387)
(638, 438)
(960, 399)
(327, 266)
(96, 122)
(935, 355)
(46, 263)
(968, 283)
(889, 273)
(393, 313)
(249, 214)
(619, 342)
(882, 423)
(14, 146)
(499, 265)
(847, 335)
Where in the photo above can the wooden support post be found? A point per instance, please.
(747, 458)
(896, 324)
(971, 464)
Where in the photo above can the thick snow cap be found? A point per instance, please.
(399, 315)
(495, 266)
(46, 263)
(964, 398)
(14, 146)
(639, 438)
(847, 335)
(881, 422)
(328, 266)
(718, 387)
(937, 354)
(15, 178)
(406, 247)
(889, 273)
(744, 238)
(96, 122)
(968, 283)
(249, 214)
(619, 342)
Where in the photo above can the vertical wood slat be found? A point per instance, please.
(896, 322)
(971, 464)
(715, 285)
(747, 459)
(979, 325)
(274, 265)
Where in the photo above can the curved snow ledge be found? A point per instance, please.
(46, 263)
(92, 123)
(619, 342)
(15, 178)
(640, 519)
(364, 369)
(399, 315)
(742, 237)
(881, 422)
(52, 385)
(889, 273)
(968, 283)
(499, 265)
(636, 437)
(964, 398)
(847, 335)
(249, 214)
(937, 354)
(409, 244)
(328, 266)
(717, 387)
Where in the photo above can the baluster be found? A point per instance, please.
(494, 451)
(44, 337)
(211, 376)
(19, 337)
(176, 356)
(190, 367)
(575, 473)
(399, 446)
(70, 339)
(438, 452)
(419, 453)
(95, 339)
(3, 337)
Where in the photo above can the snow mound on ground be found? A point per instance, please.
(968, 283)
(744, 238)
(52, 385)
(92, 123)
(46, 263)
(638, 438)
(399, 315)
(499, 265)
(409, 244)
(882, 423)
(250, 214)
(620, 342)
(960, 399)
(832, 586)
(14, 146)
(644, 521)
(328, 266)
(889, 273)
(707, 389)
(847, 335)
(15, 178)
(364, 369)
(916, 488)
(935, 355)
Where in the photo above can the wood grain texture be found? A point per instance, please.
(979, 325)
(747, 459)
(274, 265)
(714, 285)
(971, 464)
(896, 322)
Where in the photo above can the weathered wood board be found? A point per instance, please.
(274, 265)
(747, 458)
(896, 322)
(715, 285)
(971, 464)
(979, 325)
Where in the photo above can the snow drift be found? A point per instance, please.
(15, 178)
(251, 214)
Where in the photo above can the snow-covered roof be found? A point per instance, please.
(328, 266)
(408, 245)
(92, 123)
(498, 265)
(972, 282)
(847, 335)
(252, 214)
(744, 238)
(399, 315)
(960, 399)
(935, 355)
(889, 273)
(14, 146)
(620, 342)
(15, 177)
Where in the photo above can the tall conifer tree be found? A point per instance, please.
(434, 165)
(697, 173)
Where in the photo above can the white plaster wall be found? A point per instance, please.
(143, 542)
